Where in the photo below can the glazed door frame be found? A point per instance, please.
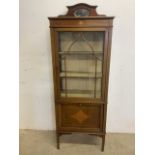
(56, 66)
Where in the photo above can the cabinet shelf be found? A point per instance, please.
(80, 52)
(80, 75)
(79, 93)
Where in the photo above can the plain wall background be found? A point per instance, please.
(36, 78)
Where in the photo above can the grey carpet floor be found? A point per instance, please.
(33, 142)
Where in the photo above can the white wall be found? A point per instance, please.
(36, 86)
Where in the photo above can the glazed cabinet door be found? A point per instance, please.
(80, 56)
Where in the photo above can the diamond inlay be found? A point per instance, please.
(80, 116)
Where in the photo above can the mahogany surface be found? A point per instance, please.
(82, 115)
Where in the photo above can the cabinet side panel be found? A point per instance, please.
(52, 34)
(107, 77)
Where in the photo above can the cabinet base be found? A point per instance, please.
(102, 135)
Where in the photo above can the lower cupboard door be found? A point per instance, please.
(80, 117)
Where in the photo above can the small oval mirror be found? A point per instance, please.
(81, 12)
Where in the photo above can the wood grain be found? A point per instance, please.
(81, 114)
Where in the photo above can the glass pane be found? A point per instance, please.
(81, 58)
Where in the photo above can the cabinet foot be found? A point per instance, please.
(103, 143)
(58, 140)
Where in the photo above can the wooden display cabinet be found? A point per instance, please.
(81, 43)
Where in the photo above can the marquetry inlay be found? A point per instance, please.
(81, 49)
(80, 116)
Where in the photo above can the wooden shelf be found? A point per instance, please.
(80, 52)
(80, 93)
(80, 75)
